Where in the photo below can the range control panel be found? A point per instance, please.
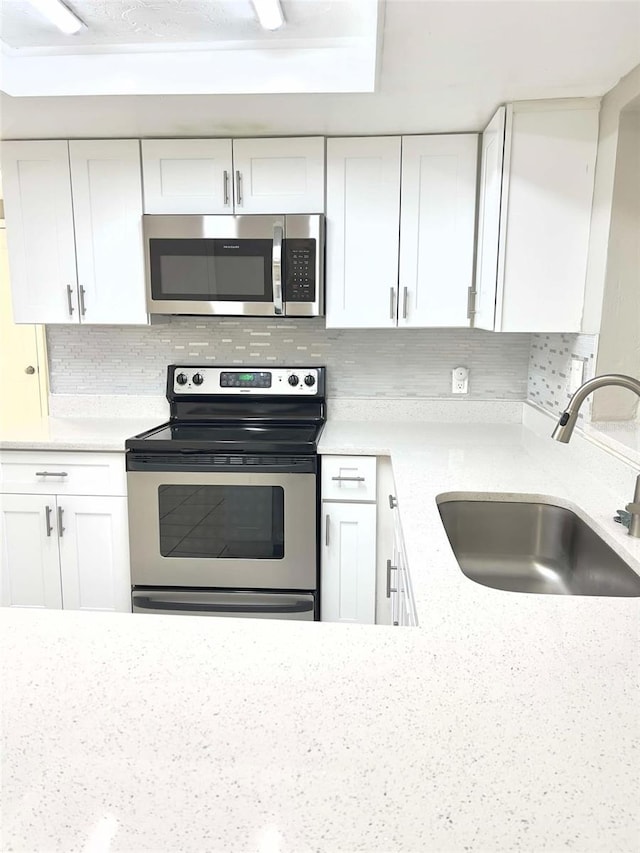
(279, 381)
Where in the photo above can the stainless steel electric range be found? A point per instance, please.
(224, 497)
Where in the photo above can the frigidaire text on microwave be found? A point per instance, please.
(253, 266)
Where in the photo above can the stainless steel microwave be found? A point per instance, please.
(253, 266)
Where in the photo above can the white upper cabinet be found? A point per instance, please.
(74, 231)
(187, 175)
(107, 204)
(363, 215)
(437, 229)
(211, 176)
(544, 217)
(40, 236)
(279, 175)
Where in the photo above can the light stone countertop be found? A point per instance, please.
(503, 722)
(81, 433)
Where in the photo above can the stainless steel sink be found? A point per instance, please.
(533, 547)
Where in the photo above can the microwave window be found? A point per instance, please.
(200, 270)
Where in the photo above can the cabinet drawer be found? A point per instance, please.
(349, 478)
(47, 472)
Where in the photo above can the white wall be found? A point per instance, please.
(612, 105)
(619, 350)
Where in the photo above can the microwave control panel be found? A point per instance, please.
(300, 270)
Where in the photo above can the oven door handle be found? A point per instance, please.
(276, 268)
(145, 602)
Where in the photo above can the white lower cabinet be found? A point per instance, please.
(59, 549)
(30, 568)
(348, 557)
(94, 553)
(348, 588)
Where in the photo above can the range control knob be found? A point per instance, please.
(309, 380)
(181, 379)
(293, 379)
(198, 379)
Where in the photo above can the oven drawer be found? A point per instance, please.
(45, 472)
(268, 605)
(349, 478)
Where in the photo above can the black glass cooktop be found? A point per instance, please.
(214, 437)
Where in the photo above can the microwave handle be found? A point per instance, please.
(276, 268)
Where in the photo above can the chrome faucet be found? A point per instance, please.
(568, 419)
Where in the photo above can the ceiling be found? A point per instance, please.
(441, 66)
(177, 22)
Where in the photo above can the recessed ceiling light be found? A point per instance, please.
(269, 13)
(57, 13)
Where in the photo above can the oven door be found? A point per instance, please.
(228, 265)
(227, 529)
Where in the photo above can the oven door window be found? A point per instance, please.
(228, 522)
(211, 270)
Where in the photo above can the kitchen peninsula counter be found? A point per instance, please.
(503, 722)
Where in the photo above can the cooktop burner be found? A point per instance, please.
(252, 410)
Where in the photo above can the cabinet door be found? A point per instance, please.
(548, 217)
(187, 175)
(491, 186)
(107, 205)
(348, 574)
(279, 175)
(363, 215)
(40, 237)
(437, 229)
(30, 566)
(94, 553)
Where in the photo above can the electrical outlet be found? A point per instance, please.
(460, 380)
(576, 375)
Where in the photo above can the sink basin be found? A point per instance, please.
(533, 547)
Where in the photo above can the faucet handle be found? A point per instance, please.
(633, 508)
(622, 517)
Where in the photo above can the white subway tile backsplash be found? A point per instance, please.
(385, 363)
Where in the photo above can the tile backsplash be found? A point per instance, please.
(383, 363)
(550, 366)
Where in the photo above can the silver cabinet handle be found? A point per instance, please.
(30, 370)
(349, 479)
(405, 297)
(83, 307)
(393, 502)
(390, 569)
(70, 299)
(471, 302)
(48, 524)
(61, 528)
(392, 303)
(238, 187)
(326, 530)
(276, 268)
(226, 186)
(51, 474)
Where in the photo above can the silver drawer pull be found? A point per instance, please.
(83, 307)
(51, 474)
(48, 524)
(393, 502)
(238, 187)
(349, 479)
(326, 531)
(392, 303)
(61, 529)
